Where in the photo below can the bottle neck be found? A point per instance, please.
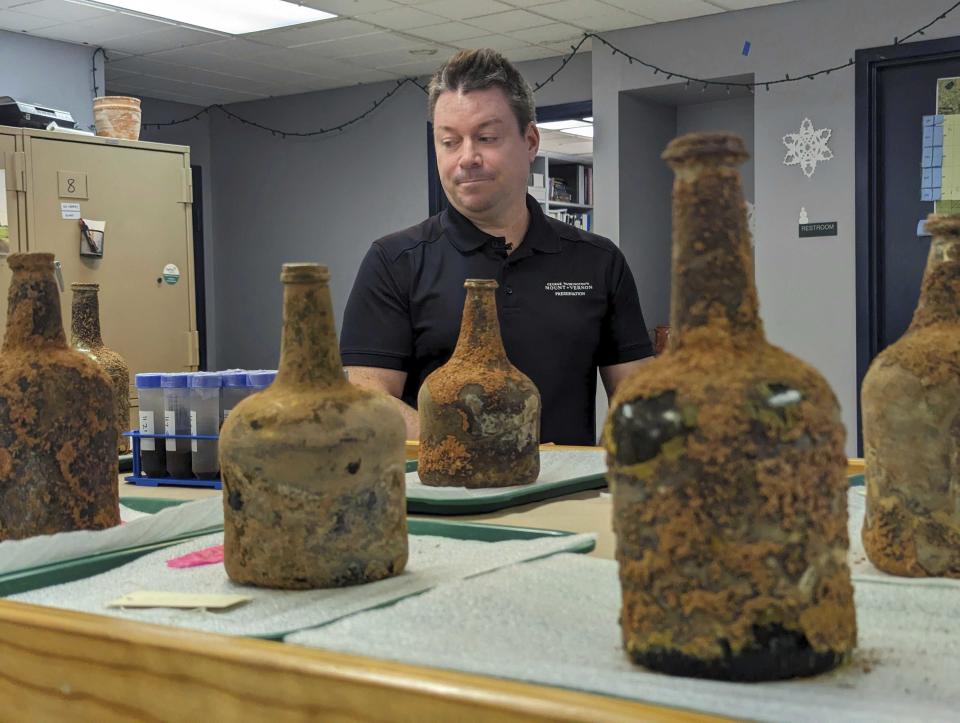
(85, 322)
(940, 289)
(309, 354)
(480, 339)
(33, 310)
(713, 284)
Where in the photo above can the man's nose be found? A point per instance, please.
(470, 155)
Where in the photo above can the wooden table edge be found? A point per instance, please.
(98, 668)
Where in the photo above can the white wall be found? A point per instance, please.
(807, 287)
(50, 73)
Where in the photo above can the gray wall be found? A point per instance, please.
(645, 184)
(195, 134)
(51, 73)
(323, 199)
(807, 287)
(735, 115)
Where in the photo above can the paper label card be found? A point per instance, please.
(184, 600)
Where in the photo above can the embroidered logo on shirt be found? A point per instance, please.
(569, 288)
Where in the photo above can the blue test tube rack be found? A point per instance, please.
(138, 478)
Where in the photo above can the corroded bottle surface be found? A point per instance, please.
(58, 455)
(911, 427)
(479, 414)
(86, 338)
(727, 465)
(313, 467)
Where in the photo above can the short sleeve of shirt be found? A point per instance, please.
(624, 334)
(376, 324)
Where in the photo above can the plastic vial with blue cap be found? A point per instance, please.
(205, 419)
(176, 420)
(261, 379)
(235, 390)
(153, 459)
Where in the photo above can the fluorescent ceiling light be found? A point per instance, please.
(562, 125)
(236, 17)
(585, 131)
(589, 119)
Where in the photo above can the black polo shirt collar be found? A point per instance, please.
(466, 237)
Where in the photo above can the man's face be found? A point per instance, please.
(482, 157)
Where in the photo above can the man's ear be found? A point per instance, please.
(532, 137)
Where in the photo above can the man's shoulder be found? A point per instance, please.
(395, 245)
(586, 240)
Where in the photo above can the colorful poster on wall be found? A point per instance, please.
(948, 105)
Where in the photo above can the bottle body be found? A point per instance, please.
(313, 467)
(727, 466)
(479, 415)
(911, 428)
(58, 433)
(86, 338)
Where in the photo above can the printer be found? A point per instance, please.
(31, 115)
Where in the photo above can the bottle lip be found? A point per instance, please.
(480, 284)
(40, 261)
(701, 146)
(206, 380)
(304, 273)
(148, 380)
(942, 224)
(84, 286)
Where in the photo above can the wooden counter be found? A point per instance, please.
(57, 665)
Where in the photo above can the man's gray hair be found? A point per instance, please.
(481, 69)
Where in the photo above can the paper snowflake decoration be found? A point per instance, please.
(807, 148)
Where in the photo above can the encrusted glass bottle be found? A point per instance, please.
(312, 466)
(911, 427)
(58, 434)
(479, 414)
(727, 465)
(85, 337)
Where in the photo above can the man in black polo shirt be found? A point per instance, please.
(567, 301)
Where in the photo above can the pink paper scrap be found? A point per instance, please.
(206, 556)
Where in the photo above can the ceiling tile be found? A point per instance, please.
(574, 10)
(101, 30)
(60, 10)
(417, 68)
(462, 9)
(744, 4)
(612, 19)
(403, 18)
(552, 33)
(661, 11)
(237, 48)
(311, 33)
(531, 52)
(159, 40)
(496, 42)
(372, 43)
(448, 32)
(200, 57)
(509, 21)
(350, 8)
(390, 58)
(19, 22)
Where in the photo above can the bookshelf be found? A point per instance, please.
(564, 187)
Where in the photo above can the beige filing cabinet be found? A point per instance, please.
(143, 192)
